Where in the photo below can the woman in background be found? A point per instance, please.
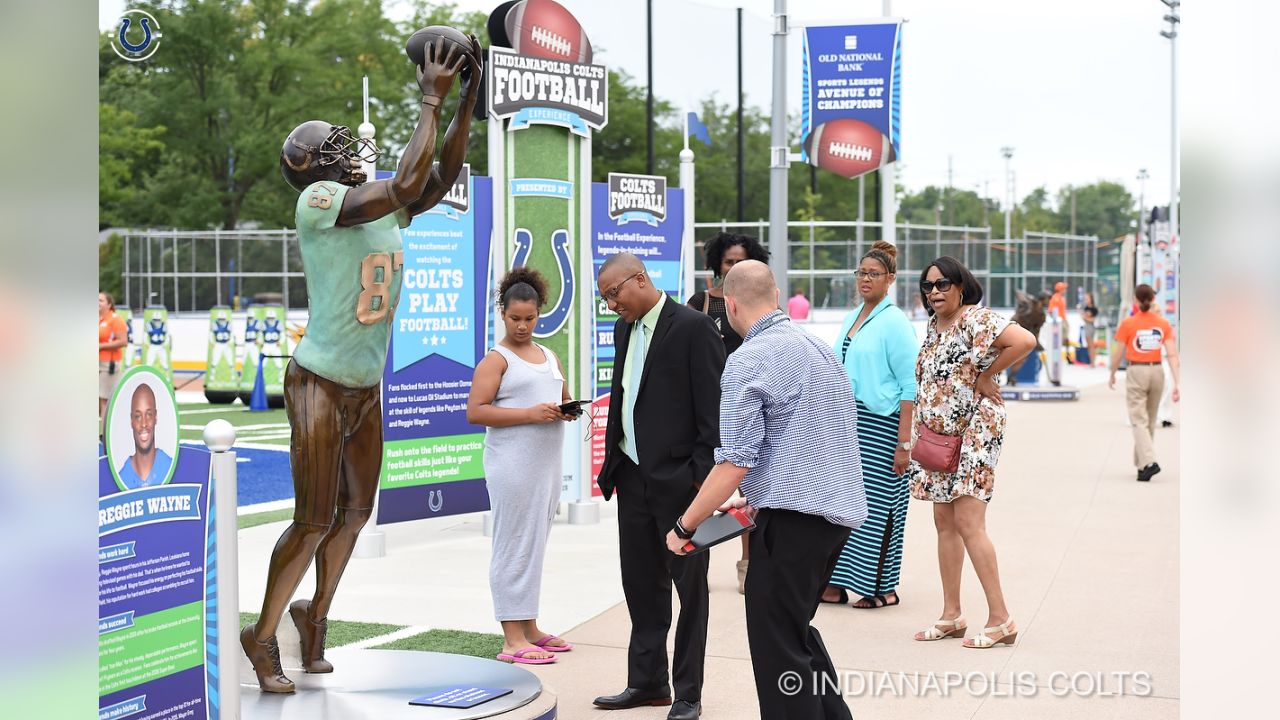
(516, 394)
(965, 347)
(722, 252)
(878, 348)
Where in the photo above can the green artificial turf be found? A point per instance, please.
(262, 518)
(341, 632)
(457, 642)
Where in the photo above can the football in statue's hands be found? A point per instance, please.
(848, 147)
(415, 46)
(543, 28)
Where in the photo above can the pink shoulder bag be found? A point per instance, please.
(935, 451)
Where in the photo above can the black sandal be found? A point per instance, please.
(876, 601)
(844, 598)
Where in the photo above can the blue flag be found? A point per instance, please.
(697, 129)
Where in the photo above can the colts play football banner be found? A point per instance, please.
(851, 96)
(640, 215)
(542, 110)
(432, 457)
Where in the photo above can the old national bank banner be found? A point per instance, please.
(851, 96)
(432, 458)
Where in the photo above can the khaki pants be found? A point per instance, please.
(1143, 385)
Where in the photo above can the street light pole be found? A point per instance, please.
(1007, 152)
(1142, 199)
(779, 152)
(1172, 34)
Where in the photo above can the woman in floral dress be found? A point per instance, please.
(965, 347)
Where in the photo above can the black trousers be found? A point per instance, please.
(792, 555)
(648, 570)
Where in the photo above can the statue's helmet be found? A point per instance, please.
(317, 150)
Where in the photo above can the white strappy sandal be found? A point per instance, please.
(1008, 633)
(938, 630)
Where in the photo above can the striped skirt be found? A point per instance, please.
(871, 561)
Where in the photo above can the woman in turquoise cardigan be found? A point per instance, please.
(878, 347)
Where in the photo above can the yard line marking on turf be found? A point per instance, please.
(261, 446)
(389, 637)
(274, 447)
(243, 428)
(252, 437)
(206, 411)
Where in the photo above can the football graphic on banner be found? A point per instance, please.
(542, 28)
(848, 147)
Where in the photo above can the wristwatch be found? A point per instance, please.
(681, 532)
(905, 446)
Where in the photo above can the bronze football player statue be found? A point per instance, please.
(349, 235)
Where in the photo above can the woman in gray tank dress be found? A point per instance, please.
(516, 392)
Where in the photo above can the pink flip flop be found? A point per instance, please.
(566, 647)
(519, 657)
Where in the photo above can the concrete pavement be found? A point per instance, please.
(1088, 559)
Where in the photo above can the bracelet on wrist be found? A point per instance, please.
(681, 532)
(432, 100)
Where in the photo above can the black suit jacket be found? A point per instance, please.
(677, 413)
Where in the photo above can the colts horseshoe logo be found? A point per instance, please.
(551, 321)
(435, 500)
(131, 51)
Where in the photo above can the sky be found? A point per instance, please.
(1080, 90)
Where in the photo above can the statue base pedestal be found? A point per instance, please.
(378, 684)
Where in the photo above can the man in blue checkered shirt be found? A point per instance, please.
(788, 438)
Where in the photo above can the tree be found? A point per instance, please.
(233, 78)
(1037, 215)
(620, 146)
(1103, 208)
(125, 153)
(111, 267)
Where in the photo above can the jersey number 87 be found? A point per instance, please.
(376, 271)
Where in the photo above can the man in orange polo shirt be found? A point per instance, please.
(1145, 336)
(112, 337)
(1058, 307)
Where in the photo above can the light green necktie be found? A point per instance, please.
(635, 370)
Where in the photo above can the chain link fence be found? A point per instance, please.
(189, 271)
(824, 255)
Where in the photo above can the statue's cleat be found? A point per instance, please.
(312, 633)
(265, 658)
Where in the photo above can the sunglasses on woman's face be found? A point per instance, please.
(943, 285)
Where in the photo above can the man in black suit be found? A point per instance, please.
(664, 418)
